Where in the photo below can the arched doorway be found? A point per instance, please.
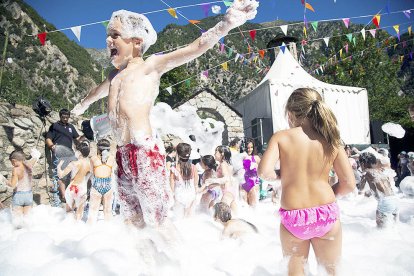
(204, 113)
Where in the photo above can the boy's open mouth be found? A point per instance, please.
(114, 52)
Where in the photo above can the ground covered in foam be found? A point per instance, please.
(54, 244)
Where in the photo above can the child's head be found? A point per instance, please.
(83, 148)
(222, 212)
(169, 147)
(133, 25)
(208, 162)
(183, 152)
(17, 157)
(235, 143)
(251, 147)
(223, 153)
(102, 145)
(307, 103)
(367, 160)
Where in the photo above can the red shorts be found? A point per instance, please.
(142, 183)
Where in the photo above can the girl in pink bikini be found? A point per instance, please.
(307, 151)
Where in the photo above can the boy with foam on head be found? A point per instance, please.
(132, 90)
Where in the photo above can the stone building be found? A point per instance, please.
(210, 105)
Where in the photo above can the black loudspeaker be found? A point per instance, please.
(377, 135)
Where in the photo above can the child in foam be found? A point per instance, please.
(101, 190)
(307, 151)
(380, 185)
(212, 193)
(250, 164)
(132, 90)
(80, 170)
(21, 182)
(184, 179)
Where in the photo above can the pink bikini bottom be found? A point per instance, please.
(310, 223)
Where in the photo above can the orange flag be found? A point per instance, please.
(42, 38)
(309, 7)
(194, 21)
(261, 53)
(172, 12)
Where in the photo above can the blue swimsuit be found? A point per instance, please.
(102, 184)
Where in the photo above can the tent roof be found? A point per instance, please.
(287, 72)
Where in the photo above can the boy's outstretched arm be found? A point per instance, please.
(94, 94)
(236, 15)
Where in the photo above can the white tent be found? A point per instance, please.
(267, 102)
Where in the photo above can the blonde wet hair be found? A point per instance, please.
(307, 103)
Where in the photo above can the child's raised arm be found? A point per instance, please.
(236, 15)
(35, 154)
(68, 169)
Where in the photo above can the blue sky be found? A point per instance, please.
(69, 13)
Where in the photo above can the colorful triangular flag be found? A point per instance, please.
(376, 20)
(284, 29)
(340, 53)
(397, 30)
(172, 12)
(206, 8)
(346, 48)
(225, 66)
(326, 39)
(309, 7)
(205, 73)
(77, 31)
(354, 40)
(261, 53)
(349, 36)
(194, 21)
(105, 23)
(372, 32)
(304, 31)
(227, 3)
(363, 33)
(187, 82)
(169, 90)
(346, 21)
(407, 13)
(230, 52)
(252, 34)
(315, 25)
(237, 57)
(42, 38)
(409, 30)
(283, 47)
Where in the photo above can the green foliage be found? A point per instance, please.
(372, 68)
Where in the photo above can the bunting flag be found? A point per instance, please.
(102, 75)
(309, 7)
(346, 48)
(205, 73)
(227, 3)
(326, 39)
(283, 47)
(187, 82)
(397, 30)
(284, 29)
(221, 40)
(395, 46)
(346, 21)
(221, 47)
(354, 40)
(77, 31)
(105, 24)
(409, 30)
(401, 58)
(376, 20)
(225, 66)
(169, 90)
(42, 38)
(206, 8)
(372, 32)
(411, 55)
(194, 21)
(340, 53)
(363, 33)
(315, 25)
(230, 52)
(172, 12)
(349, 36)
(304, 31)
(305, 21)
(407, 13)
(262, 54)
(252, 34)
(237, 57)
(304, 42)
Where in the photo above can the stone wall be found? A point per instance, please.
(21, 128)
(233, 122)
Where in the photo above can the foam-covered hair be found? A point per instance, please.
(135, 25)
